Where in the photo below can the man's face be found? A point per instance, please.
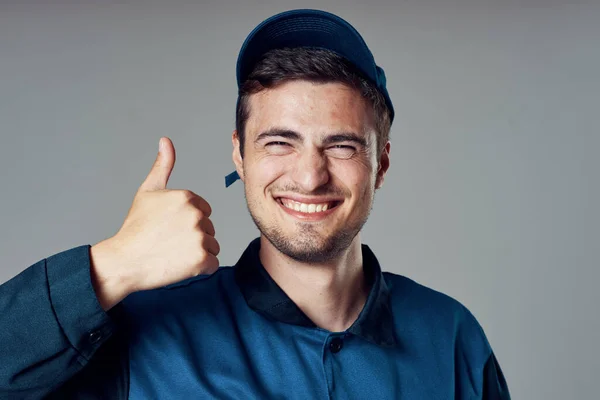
(310, 167)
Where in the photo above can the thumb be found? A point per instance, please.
(161, 170)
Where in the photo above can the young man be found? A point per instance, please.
(306, 312)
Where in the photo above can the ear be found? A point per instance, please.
(236, 155)
(384, 164)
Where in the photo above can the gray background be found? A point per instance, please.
(492, 193)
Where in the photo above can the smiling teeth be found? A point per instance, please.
(305, 208)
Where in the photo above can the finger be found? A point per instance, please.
(202, 205)
(211, 263)
(207, 226)
(158, 177)
(211, 244)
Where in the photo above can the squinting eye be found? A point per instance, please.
(278, 148)
(342, 151)
(277, 144)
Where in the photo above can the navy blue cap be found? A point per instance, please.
(309, 28)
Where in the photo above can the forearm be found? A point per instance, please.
(51, 324)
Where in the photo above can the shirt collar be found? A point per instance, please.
(374, 323)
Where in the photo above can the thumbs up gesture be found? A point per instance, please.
(166, 237)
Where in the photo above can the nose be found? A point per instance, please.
(311, 170)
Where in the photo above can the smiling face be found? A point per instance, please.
(310, 167)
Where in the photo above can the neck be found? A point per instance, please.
(331, 294)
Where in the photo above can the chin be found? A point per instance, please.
(306, 245)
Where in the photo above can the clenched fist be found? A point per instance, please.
(166, 237)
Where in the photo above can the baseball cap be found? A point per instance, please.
(309, 28)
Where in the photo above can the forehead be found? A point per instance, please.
(309, 108)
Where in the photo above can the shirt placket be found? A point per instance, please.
(333, 345)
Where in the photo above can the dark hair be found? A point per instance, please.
(316, 65)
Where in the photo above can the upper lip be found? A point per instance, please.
(308, 200)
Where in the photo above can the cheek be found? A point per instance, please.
(355, 176)
(264, 171)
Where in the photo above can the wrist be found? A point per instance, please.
(107, 274)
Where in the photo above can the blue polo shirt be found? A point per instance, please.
(236, 335)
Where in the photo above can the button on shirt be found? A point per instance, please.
(336, 344)
(236, 335)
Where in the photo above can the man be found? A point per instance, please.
(306, 312)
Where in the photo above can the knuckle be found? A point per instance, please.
(199, 259)
(183, 195)
(177, 196)
(202, 255)
(187, 194)
(199, 239)
(196, 216)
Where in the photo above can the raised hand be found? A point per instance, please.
(166, 237)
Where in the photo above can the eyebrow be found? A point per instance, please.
(345, 137)
(327, 140)
(276, 132)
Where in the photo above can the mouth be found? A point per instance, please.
(308, 210)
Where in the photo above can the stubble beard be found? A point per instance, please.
(307, 245)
